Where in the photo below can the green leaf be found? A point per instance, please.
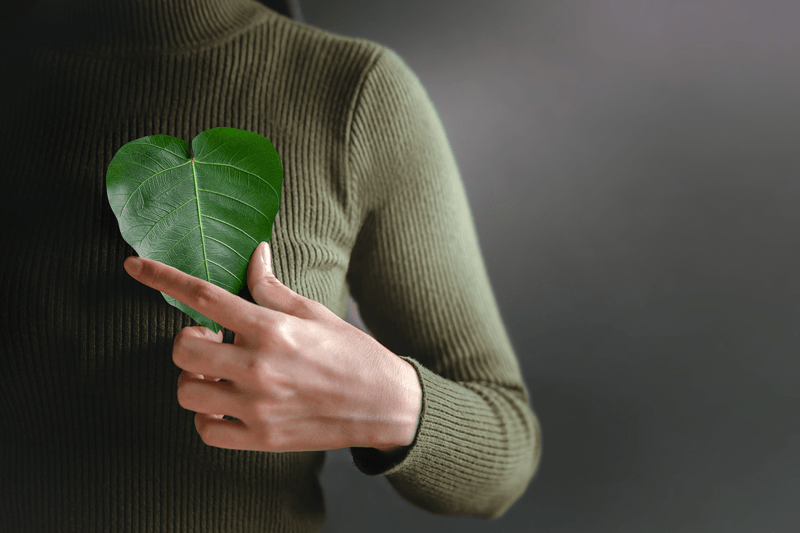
(204, 215)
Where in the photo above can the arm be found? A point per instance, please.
(418, 276)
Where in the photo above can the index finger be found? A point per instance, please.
(227, 309)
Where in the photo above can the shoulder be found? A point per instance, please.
(307, 45)
(321, 53)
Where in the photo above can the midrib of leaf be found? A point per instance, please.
(200, 217)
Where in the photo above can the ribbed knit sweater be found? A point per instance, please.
(372, 206)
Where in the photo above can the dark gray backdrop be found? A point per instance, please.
(633, 170)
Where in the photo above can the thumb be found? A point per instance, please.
(265, 288)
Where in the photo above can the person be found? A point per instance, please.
(120, 414)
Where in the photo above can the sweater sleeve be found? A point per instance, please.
(418, 277)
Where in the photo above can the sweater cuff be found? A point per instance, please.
(435, 437)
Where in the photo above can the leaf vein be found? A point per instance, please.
(179, 240)
(228, 246)
(225, 269)
(238, 200)
(145, 181)
(231, 225)
(242, 170)
(162, 218)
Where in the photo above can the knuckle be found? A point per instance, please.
(257, 377)
(183, 393)
(179, 350)
(256, 369)
(262, 412)
(255, 323)
(204, 294)
(284, 335)
(178, 356)
(270, 439)
(202, 429)
(180, 338)
(264, 329)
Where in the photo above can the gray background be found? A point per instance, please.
(632, 167)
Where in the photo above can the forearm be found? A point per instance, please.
(476, 449)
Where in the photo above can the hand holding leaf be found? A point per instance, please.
(296, 378)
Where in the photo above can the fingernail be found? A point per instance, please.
(133, 266)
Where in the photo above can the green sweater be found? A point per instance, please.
(372, 206)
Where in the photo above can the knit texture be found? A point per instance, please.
(372, 206)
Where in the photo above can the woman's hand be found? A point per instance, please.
(296, 378)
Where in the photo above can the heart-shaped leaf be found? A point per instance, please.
(203, 214)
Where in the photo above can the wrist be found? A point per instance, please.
(404, 409)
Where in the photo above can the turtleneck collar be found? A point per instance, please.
(118, 26)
